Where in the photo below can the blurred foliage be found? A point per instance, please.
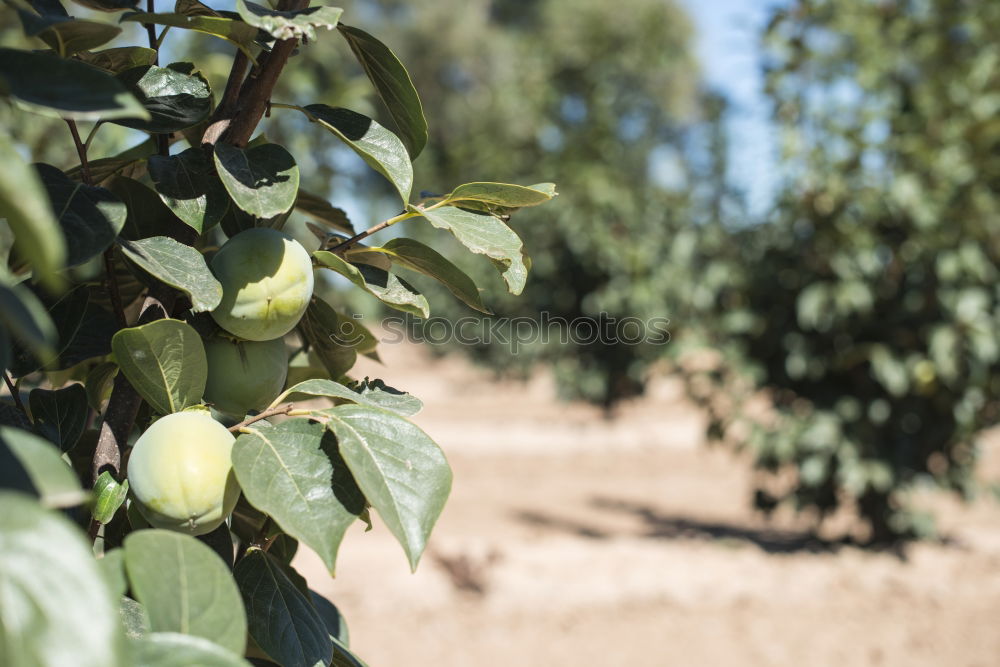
(867, 306)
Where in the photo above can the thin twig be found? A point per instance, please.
(344, 246)
(270, 412)
(81, 150)
(15, 394)
(151, 32)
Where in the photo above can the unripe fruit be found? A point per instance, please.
(244, 375)
(181, 475)
(267, 281)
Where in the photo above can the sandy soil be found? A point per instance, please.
(571, 539)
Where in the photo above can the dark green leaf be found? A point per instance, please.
(263, 180)
(57, 608)
(344, 657)
(334, 621)
(60, 415)
(237, 32)
(282, 621)
(220, 541)
(177, 265)
(295, 24)
(98, 383)
(175, 99)
(394, 86)
(322, 211)
(90, 216)
(66, 35)
(171, 649)
(293, 472)
(401, 472)
(189, 187)
(23, 315)
(416, 256)
(380, 148)
(484, 234)
(53, 481)
(147, 214)
(109, 496)
(120, 58)
(185, 587)
(165, 363)
(503, 195)
(321, 327)
(108, 5)
(25, 204)
(63, 88)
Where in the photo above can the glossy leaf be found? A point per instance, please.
(484, 234)
(380, 148)
(57, 608)
(292, 472)
(374, 394)
(403, 474)
(175, 99)
(187, 184)
(63, 88)
(294, 24)
(165, 363)
(25, 204)
(281, 619)
(322, 211)
(90, 216)
(185, 587)
(334, 621)
(66, 35)
(394, 86)
(263, 180)
(503, 195)
(223, 27)
(119, 58)
(109, 496)
(51, 479)
(177, 265)
(418, 257)
(171, 649)
(60, 415)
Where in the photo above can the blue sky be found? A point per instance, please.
(727, 45)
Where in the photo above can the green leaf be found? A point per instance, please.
(171, 649)
(147, 214)
(177, 265)
(60, 415)
(67, 35)
(263, 181)
(321, 327)
(293, 472)
(108, 5)
(231, 30)
(296, 24)
(322, 211)
(334, 621)
(343, 657)
(63, 88)
(401, 471)
(51, 478)
(120, 58)
(135, 620)
(25, 204)
(90, 216)
(375, 394)
(503, 195)
(385, 286)
(380, 148)
(394, 86)
(23, 315)
(98, 383)
(282, 621)
(418, 257)
(110, 495)
(165, 363)
(112, 567)
(189, 187)
(185, 587)
(175, 99)
(483, 234)
(57, 608)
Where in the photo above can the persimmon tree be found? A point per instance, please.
(121, 271)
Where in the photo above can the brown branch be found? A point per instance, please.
(223, 114)
(81, 150)
(151, 31)
(15, 394)
(270, 412)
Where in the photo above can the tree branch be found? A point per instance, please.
(81, 151)
(15, 394)
(344, 246)
(270, 412)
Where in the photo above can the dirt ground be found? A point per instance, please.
(571, 540)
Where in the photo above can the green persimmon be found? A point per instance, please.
(244, 375)
(267, 281)
(181, 475)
